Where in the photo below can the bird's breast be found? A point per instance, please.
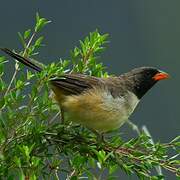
(98, 109)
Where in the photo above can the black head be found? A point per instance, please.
(140, 80)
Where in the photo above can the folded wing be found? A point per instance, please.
(76, 83)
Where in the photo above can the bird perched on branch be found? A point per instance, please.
(101, 104)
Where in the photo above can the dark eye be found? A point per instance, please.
(148, 74)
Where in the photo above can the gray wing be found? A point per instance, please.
(76, 83)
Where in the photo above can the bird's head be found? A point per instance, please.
(140, 80)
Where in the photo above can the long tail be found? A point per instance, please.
(21, 59)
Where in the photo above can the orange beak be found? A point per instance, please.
(160, 76)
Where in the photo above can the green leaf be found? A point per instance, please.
(35, 161)
(2, 60)
(27, 34)
(19, 84)
(2, 85)
(113, 168)
(74, 178)
(40, 23)
(17, 161)
(29, 75)
(38, 42)
(37, 17)
(21, 38)
(78, 161)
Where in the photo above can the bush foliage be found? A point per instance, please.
(35, 144)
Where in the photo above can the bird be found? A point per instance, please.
(101, 104)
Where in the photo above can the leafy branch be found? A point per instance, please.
(33, 142)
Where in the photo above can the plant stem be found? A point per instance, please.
(17, 64)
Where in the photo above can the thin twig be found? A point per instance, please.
(17, 64)
(53, 118)
(29, 43)
(71, 175)
(12, 79)
(134, 127)
(56, 174)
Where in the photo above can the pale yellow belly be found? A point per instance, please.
(95, 110)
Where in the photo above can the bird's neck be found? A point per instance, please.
(137, 85)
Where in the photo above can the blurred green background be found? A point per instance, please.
(142, 33)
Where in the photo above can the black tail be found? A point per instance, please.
(21, 59)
